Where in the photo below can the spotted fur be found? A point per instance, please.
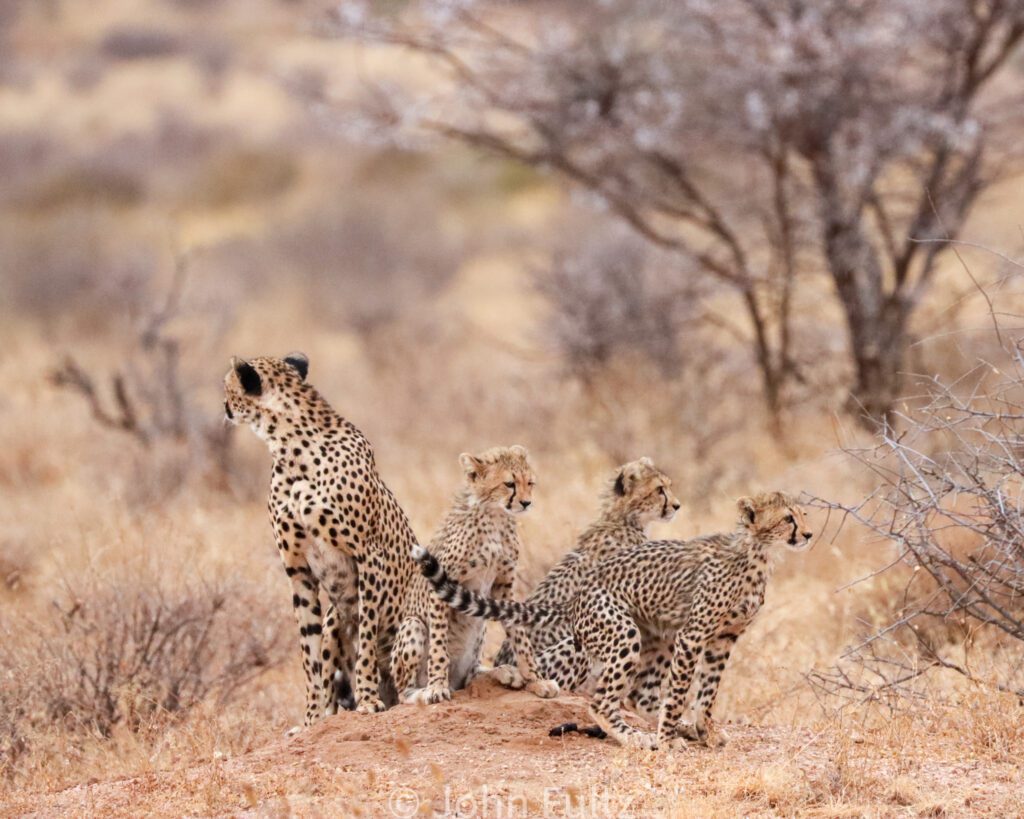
(676, 607)
(637, 495)
(438, 649)
(338, 528)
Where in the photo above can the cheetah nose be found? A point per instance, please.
(676, 505)
(227, 411)
(808, 535)
(525, 504)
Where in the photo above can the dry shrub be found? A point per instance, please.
(366, 262)
(783, 788)
(16, 566)
(949, 500)
(126, 651)
(242, 177)
(610, 293)
(70, 264)
(87, 185)
(151, 394)
(139, 43)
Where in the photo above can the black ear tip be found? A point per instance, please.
(620, 484)
(298, 361)
(248, 377)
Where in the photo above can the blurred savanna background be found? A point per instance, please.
(767, 244)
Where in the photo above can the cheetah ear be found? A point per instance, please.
(627, 478)
(471, 465)
(519, 451)
(300, 361)
(247, 376)
(645, 461)
(747, 510)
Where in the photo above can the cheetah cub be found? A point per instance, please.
(674, 605)
(637, 495)
(437, 649)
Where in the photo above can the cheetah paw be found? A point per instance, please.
(718, 739)
(508, 676)
(687, 732)
(429, 696)
(645, 740)
(676, 744)
(711, 737)
(545, 689)
(370, 705)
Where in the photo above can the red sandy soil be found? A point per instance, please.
(487, 754)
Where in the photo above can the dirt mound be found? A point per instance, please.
(488, 754)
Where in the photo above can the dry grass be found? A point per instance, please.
(91, 517)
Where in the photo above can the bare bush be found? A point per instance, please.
(611, 294)
(951, 501)
(65, 266)
(139, 43)
(148, 398)
(370, 260)
(236, 178)
(122, 651)
(17, 562)
(762, 143)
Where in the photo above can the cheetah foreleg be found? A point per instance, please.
(438, 661)
(687, 648)
(713, 663)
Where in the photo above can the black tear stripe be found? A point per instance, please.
(513, 497)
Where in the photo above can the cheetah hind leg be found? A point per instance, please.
(406, 661)
(407, 657)
(337, 662)
(612, 638)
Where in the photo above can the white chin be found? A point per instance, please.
(798, 547)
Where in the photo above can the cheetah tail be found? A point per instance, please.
(508, 612)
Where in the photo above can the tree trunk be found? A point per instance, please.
(876, 320)
(878, 348)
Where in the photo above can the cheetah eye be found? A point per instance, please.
(789, 519)
(510, 484)
(532, 483)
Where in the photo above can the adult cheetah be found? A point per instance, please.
(336, 523)
(637, 495)
(478, 543)
(697, 596)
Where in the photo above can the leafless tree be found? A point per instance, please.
(761, 142)
(147, 397)
(950, 499)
